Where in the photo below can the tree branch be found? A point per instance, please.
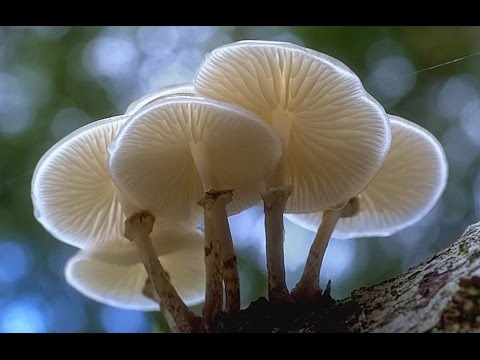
(440, 294)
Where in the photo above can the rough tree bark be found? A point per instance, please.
(440, 294)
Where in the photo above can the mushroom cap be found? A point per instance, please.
(117, 278)
(405, 190)
(152, 158)
(334, 133)
(182, 89)
(73, 195)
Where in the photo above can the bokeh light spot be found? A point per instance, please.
(470, 121)
(15, 108)
(118, 320)
(24, 315)
(391, 79)
(14, 261)
(67, 120)
(112, 56)
(454, 95)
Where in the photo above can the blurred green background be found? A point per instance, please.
(56, 79)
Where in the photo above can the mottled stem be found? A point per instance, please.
(214, 281)
(308, 288)
(274, 202)
(214, 203)
(137, 229)
(149, 292)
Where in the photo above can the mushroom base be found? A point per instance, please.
(263, 316)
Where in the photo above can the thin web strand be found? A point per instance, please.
(430, 68)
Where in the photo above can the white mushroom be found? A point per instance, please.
(406, 188)
(77, 202)
(179, 150)
(334, 135)
(73, 195)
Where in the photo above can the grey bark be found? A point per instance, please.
(416, 300)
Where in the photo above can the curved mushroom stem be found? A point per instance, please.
(214, 281)
(274, 201)
(149, 292)
(214, 203)
(308, 289)
(137, 229)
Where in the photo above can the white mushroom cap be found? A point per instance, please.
(171, 152)
(182, 89)
(407, 187)
(73, 195)
(117, 278)
(334, 133)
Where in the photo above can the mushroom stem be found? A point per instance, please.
(214, 281)
(274, 201)
(149, 292)
(308, 288)
(137, 229)
(201, 158)
(214, 203)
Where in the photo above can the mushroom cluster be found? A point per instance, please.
(261, 122)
